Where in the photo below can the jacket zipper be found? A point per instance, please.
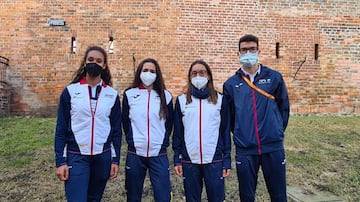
(148, 125)
(256, 122)
(97, 94)
(200, 132)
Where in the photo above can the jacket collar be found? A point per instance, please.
(101, 83)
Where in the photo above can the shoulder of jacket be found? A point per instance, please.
(75, 86)
(271, 73)
(232, 79)
(130, 90)
(181, 95)
(110, 89)
(268, 70)
(167, 93)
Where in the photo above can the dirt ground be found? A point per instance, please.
(322, 152)
(40, 184)
(37, 182)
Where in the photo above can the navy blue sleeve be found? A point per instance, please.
(125, 114)
(178, 136)
(126, 123)
(283, 103)
(169, 123)
(225, 132)
(227, 93)
(62, 127)
(116, 133)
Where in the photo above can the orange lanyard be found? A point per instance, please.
(261, 91)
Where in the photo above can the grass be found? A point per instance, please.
(21, 136)
(322, 154)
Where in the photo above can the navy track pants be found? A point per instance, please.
(159, 172)
(194, 175)
(88, 176)
(273, 165)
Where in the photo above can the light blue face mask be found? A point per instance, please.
(249, 59)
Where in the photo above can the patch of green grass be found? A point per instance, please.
(322, 154)
(19, 162)
(20, 138)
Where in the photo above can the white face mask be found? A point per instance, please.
(199, 82)
(249, 59)
(147, 78)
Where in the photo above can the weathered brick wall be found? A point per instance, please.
(4, 88)
(178, 32)
(4, 100)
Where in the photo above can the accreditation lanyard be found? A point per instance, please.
(261, 91)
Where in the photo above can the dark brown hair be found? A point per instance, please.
(249, 38)
(212, 92)
(105, 73)
(158, 85)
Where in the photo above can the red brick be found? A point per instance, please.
(177, 33)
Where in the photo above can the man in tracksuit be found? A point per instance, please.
(260, 112)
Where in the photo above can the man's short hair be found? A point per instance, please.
(249, 38)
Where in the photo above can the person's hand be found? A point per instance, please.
(114, 171)
(226, 172)
(62, 172)
(178, 170)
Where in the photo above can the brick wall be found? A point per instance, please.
(4, 100)
(177, 33)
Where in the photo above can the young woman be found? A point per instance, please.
(147, 122)
(88, 130)
(201, 140)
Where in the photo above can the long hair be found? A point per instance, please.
(210, 85)
(105, 73)
(158, 85)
